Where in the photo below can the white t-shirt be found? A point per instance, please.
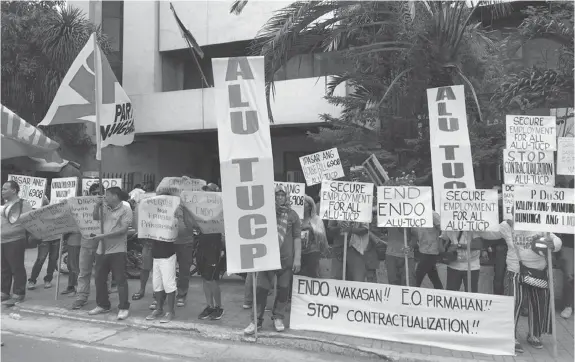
(136, 192)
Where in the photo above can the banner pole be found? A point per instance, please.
(255, 302)
(59, 266)
(97, 96)
(469, 289)
(552, 300)
(406, 257)
(344, 255)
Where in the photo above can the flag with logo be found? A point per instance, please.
(76, 100)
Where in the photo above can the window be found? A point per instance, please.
(113, 27)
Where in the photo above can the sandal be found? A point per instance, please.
(137, 296)
(180, 302)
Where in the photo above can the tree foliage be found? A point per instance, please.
(40, 40)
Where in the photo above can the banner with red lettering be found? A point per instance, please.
(246, 164)
(452, 165)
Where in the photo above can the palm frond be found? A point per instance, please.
(238, 6)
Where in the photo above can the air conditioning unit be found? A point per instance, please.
(295, 176)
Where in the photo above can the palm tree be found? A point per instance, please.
(40, 40)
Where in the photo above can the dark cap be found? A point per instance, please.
(212, 187)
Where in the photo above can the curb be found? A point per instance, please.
(272, 339)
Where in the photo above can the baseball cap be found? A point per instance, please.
(211, 187)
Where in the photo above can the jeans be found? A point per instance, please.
(500, 267)
(116, 263)
(73, 265)
(185, 258)
(427, 266)
(310, 264)
(396, 270)
(13, 267)
(248, 289)
(45, 248)
(86, 263)
(456, 277)
(265, 283)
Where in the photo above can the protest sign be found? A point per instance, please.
(296, 192)
(175, 185)
(438, 318)
(375, 171)
(140, 197)
(319, 166)
(49, 221)
(566, 156)
(404, 206)
(469, 210)
(346, 201)
(32, 189)
(526, 167)
(82, 210)
(106, 182)
(157, 218)
(544, 209)
(246, 165)
(531, 133)
(452, 166)
(63, 188)
(207, 210)
(507, 200)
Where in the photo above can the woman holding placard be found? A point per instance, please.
(313, 240)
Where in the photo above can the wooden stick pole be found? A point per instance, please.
(406, 257)
(469, 288)
(344, 255)
(255, 302)
(59, 266)
(552, 301)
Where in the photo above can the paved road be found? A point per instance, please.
(47, 339)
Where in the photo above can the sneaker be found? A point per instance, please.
(154, 305)
(69, 290)
(155, 314)
(47, 285)
(167, 318)
(17, 298)
(206, 313)
(5, 297)
(251, 329)
(123, 314)
(31, 285)
(180, 302)
(268, 309)
(279, 325)
(217, 314)
(567, 312)
(78, 304)
(247, 306)
(534, 342)
(518, 347)
(9, 302)
(98, 310)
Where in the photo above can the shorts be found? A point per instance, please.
(210, 266)
(147, 259)
(164, 278)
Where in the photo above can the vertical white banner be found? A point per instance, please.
(246, 164)
(452, 165)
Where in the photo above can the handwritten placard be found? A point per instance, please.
(63, 188)
(507, 195)
(566, 156)
(207, 210)
(404, 206)
(469, 210)
(49, 221)
(106, 182)
(296, 192)
(525, 167)
(32, 189)
(157, 218)
(446, 319)
(324, 165)
(346, 201)
(531, 133)
(175, 185)
(544, 209)
(82, 210)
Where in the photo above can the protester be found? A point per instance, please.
(88, 249)
(428, 242)
(289, 238)
(13, 243)
(525, 254)
(456, 242)
(184, 245)
(136, 191)
(74, 242)
(567, 268)
(497, 250)
(117, 220)
(359, 248)
(395, 256)
(146, 268)
(313, 240)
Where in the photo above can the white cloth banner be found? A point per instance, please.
(452, 165)
(469, 210)
(544, 209)
(319, 166)
(526, 167)
(106, 182)
(63, 188)
(531, 132)
(439, 318)
(346, 201)
(207, 210)
(157, 218)
(296, 192)
(404, 206)
(32, 189)
(566, 156)
(175, 185)
(246, 165)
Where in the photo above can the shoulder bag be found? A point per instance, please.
(447, 257)
(529, 276)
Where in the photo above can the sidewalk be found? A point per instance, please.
(42, 301)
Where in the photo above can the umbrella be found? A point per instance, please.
(19, 138)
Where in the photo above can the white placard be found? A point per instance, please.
(460, 321)
(176, 185)
(206, 208)
(507, 199)
(531, 132)
(404, 206)
(319, 166)
(296, 192)
(526, 167)
(544, 209)
(346, 201)
(32, 189)
(82, 209)
(106, 182)
(566, 156)
(469, 210)
(63, 188)
(157, 218)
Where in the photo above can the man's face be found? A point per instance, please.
(8, 191)
(111, 199)
(280, 197)
(307, 209)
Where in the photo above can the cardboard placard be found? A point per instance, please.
(82, 210)
(175, 185)
(566, 156)
(207, 210)
(536, 133)
(526, 167)
(63, 188)
(544, 209)
(469, 210)
(346, 201)
(49, 222)
(32, 189)
(296, 192)
(507, 199)
(404, 206)
(157, 218)
(106, 182)
(319, 166)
